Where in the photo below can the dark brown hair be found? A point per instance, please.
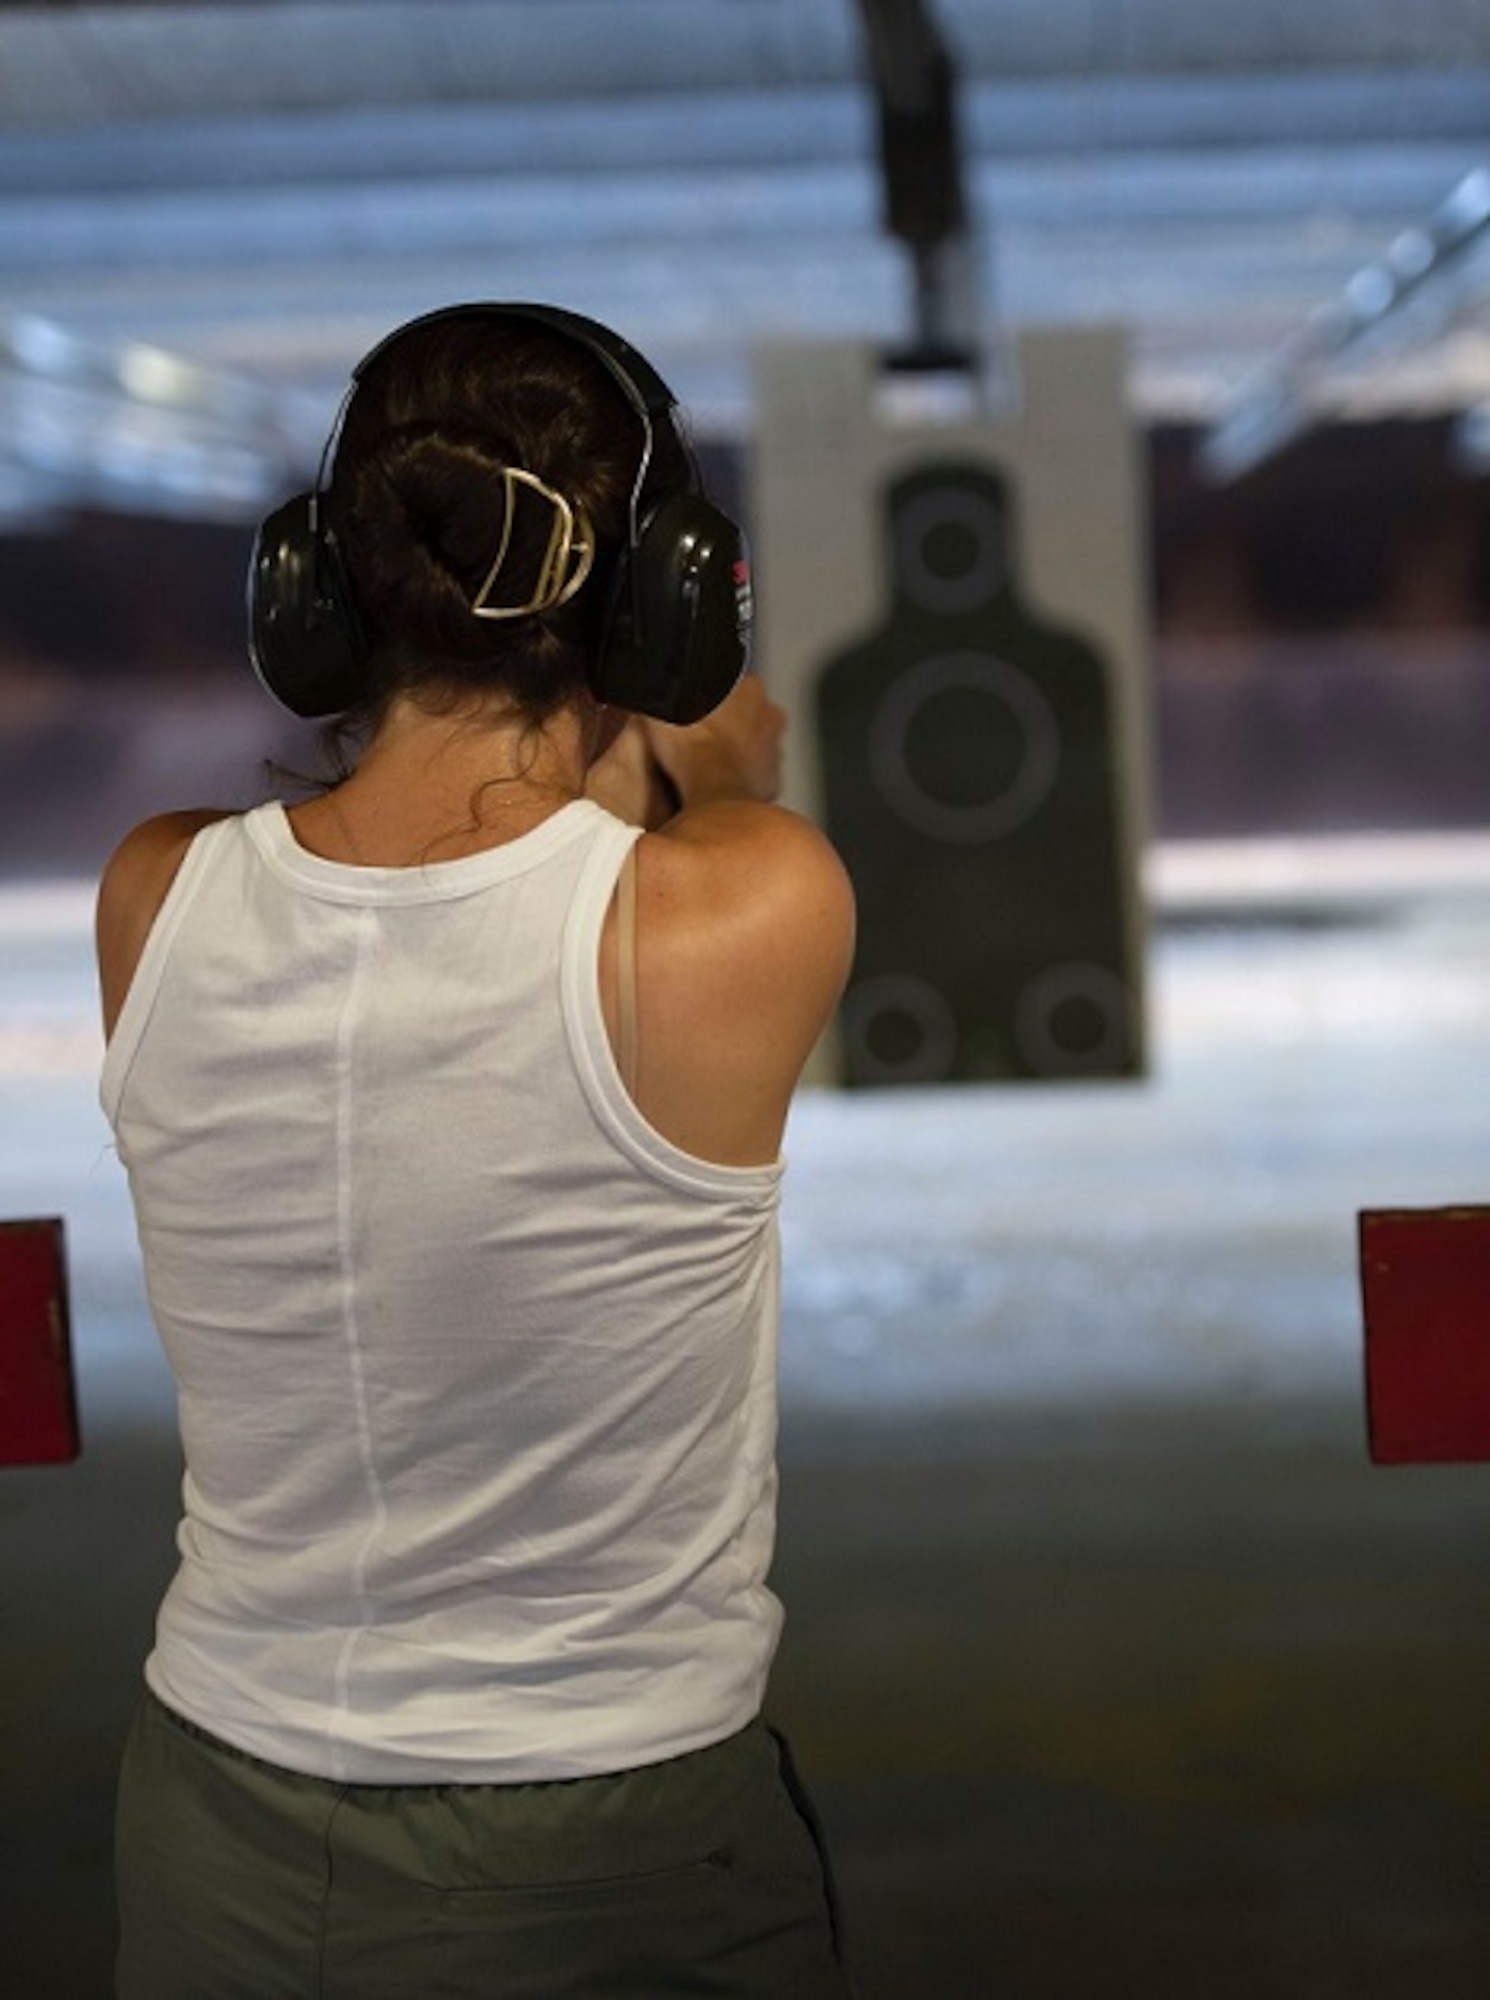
(416, 504)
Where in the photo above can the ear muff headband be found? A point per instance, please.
(675, 636)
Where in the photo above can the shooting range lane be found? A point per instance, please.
(1116, 1666)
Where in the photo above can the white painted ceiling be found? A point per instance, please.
(257, 191)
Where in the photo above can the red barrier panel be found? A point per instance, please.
(38, 1402)
(1425, 1285)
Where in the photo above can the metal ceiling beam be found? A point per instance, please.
(1091, 121)
(79, 65)
(1429, 276)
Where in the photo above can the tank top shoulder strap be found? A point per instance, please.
(626, 1013)
(205, 852)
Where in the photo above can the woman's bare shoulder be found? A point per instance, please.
(747, 873)
(135, 882)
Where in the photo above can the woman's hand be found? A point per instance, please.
(733, 753)
(653, 768)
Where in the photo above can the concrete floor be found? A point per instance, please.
(1116, 1667)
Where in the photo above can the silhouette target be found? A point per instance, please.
(968, 761)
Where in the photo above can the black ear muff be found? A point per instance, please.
(304, 634)
(678, 632)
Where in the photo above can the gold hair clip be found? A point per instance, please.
(566, 561)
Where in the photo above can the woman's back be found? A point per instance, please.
(476, 1369)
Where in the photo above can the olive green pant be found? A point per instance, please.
(240, 1881)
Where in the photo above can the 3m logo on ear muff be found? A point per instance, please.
(676, 635)
(744, 600)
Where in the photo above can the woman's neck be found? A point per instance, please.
(437, 787)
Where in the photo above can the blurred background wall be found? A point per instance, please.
(1320, 651)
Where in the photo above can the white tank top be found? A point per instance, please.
(477, 1372)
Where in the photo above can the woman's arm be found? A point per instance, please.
(629, 782)
(745, 936)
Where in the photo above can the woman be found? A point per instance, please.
(451, 1101)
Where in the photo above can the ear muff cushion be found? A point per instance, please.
(305, 638)
(678, 634)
